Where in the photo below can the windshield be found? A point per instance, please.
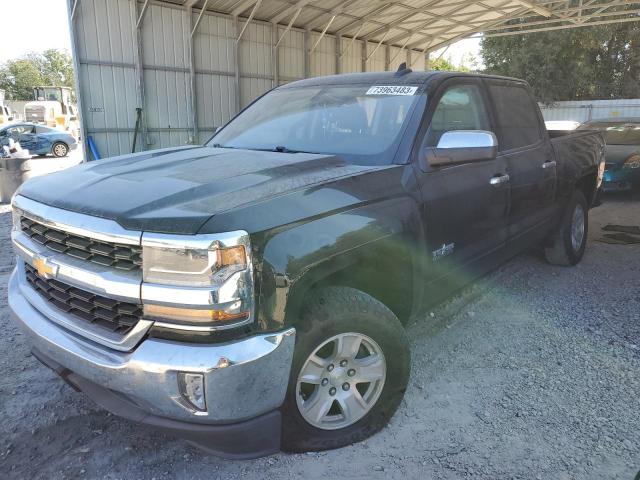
(359, 123)
(616, 133)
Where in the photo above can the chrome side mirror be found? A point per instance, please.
(462, 146)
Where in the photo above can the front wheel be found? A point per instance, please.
(60, 149)
(350, 371)
(569, 241)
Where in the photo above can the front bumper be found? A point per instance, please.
(245, 381)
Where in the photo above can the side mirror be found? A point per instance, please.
(462, 146)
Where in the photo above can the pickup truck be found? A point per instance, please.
(249, 295)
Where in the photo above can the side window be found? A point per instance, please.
(460, 108)
(517, 120)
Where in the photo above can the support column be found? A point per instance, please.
(307, 58)
(275, 60)
(72, 11)
(408, 58)
(191, 105)
(387, 58)
(138, 20)
(236, 62)
(338, 52)
(363, 68)
(427, 60)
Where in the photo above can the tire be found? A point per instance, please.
(347, 314)
(565, 249)
(60, 149)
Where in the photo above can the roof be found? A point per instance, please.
(613, 120)
(390, 78)
(424, 24)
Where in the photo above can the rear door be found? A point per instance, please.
(464, 214)
(524, 143)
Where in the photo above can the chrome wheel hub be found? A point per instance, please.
(341, 381)
(577, 228)
(60, 150)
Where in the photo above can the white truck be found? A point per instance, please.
(53, 107)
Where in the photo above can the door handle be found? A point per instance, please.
(499, 180)
(549, 164)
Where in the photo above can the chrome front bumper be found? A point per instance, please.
(243, 379)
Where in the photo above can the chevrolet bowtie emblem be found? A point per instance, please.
(44, 269)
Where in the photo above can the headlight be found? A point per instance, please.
(632, 162)
(211, 276)
(16, 214)
(193, 267)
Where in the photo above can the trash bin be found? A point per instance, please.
(13, 171)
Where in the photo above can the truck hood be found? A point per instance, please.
(177, 190)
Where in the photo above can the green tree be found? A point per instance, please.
(51, 67)
(598, 62)
(446, 65)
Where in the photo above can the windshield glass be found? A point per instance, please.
(360, 124)
(616, 133)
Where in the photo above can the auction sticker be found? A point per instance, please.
(391, 90)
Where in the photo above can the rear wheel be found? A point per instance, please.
(60, 149)
(570, 239)
(350, 370)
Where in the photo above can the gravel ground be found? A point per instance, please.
(531, 373)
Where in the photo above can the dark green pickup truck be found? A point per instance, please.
(250, 294)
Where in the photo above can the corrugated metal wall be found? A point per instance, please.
(582, 111)
(105, 44)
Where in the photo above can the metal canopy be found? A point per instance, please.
(425, 25)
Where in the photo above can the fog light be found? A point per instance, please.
(192, 389)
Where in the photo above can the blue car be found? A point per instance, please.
(38, 139)
(622, 152)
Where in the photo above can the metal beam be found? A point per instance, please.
(377, 46)
(353, 39)
(290, 9)
(286, 30)
(251, 15)
(563, 27)
(204, 8)
(137, 38)
(545, 12)
(142, 13)
(315, 45)
(236, 62)
(72, 8)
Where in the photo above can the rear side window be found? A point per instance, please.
(517, 119)
(460, 108)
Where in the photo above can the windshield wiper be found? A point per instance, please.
(217, 145)
(283, 149)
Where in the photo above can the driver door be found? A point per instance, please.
(25, 135)
(466, 204)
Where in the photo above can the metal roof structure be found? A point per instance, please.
(425, 24)
(158, 73)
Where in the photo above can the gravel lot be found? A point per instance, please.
(531, 373)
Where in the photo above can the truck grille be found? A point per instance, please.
(111, 314)
(122, 257)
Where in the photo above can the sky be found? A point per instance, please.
(49, 17)
(46, 18)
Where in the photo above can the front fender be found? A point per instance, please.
(374, 239)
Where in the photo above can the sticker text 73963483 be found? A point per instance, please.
(392, 90)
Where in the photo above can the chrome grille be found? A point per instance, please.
(108, 313)
(122, 257)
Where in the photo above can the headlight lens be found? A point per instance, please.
(212, 276)
(632, 162)
(194, 267)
